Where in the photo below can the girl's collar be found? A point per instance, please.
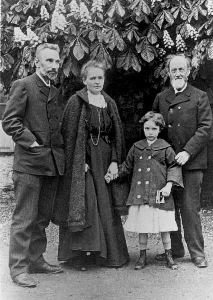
(150, 142)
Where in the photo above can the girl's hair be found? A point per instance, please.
(91, 64)
(155, 117)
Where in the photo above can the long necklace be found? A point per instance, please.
(99, 128)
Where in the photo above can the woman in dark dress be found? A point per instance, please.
(94, 145)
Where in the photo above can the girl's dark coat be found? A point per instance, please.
(151, 168)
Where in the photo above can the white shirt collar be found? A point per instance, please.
(179, 91)
(47, 84)
(96, 100)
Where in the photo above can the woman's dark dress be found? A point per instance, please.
(103, 233)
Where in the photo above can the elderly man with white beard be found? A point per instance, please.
(188, 116)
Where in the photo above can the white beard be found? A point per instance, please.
(178, 84)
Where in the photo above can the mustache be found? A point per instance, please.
(52, 71)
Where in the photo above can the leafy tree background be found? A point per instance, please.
(133, 37)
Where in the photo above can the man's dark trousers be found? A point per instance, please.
(187, 202)
(34, 205)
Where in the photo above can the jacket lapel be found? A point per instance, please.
(41, 86)
(53, 93)
(173, 99)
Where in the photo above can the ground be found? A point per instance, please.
(155, 282)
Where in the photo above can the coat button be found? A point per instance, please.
(138, 196)
(147, 182)
(139, 182)
(139, 170)
(148, 169)
(141, 157)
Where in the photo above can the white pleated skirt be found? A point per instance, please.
(146, 219)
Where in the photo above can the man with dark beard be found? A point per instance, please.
(188, 116)
(32, 119)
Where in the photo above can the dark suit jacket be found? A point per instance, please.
(32, 114)
(189, 119)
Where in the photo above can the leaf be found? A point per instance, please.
(188, 2)
(129, 60)
(72, 29)
(84, 45)
(75, 68)
(145, 7)
(131, 31)
(164, 74)
(148, 54)
(100, 35)
(152, 37)
(142, 17)
(113, 39)
(65, 52)
(80, 49)
(67, 67)
(169, 17)
(25, 8)
(139, 46)
(194, 13)
(27, 54)
(92, 35)
(202, 11)
(11, 18)
(18, 8)
(119, 9)
(116, 7)
(6, 61)
(175, 11)
(141, 5)
(100, 16)
(130, 35)
(99, 52)
(160, 19)
(158, 70)
(146, 50)
(184, 13)
(117, 40)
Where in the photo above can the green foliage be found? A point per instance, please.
(126, 34)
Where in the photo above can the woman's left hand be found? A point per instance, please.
(113, 169)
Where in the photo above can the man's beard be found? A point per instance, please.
(52, 76)
(178, 83)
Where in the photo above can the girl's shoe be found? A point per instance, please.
(169, 260)
(140, 264)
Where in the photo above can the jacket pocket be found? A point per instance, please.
(37, 148)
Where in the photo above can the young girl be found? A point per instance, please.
(154, 171)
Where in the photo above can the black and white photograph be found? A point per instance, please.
(106, 150)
